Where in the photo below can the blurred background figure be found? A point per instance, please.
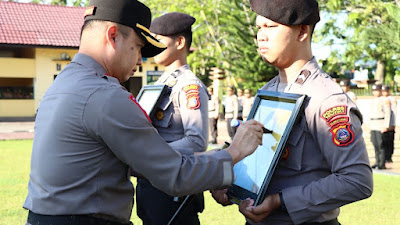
(231, 110)
(345, 85)
(240, 97)
(213, 112)
(379, 123)
(388, 136)
(247, 102)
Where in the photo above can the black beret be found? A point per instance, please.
(385, 88)
(376, 87)
(288, 12)
(131, 13)
(344, 83)
(172, 23)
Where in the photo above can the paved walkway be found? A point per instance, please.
(24, 130)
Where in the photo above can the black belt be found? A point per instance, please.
(38, 219)
(377, 118)
(330, 222)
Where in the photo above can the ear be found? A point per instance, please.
(180, 42)
(304, 32)
(111, 35)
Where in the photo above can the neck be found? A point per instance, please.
(290, 73)
(179, 62)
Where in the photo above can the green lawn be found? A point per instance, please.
(383, 208)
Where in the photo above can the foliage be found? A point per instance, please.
(370, 30)
(223, 36)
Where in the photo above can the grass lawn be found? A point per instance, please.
(383, 208)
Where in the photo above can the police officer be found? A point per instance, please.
(388, 135)
(182, 118)
(213, 114)
(345, 85)
(231, 104)
(89, 130)
(379, 122)
(247, 100)
(326, 163)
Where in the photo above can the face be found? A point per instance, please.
(127, 55)
(229, 91)
(247, 94)
(168, 56)
(385, 93)
(377, 93)
(240, 92)
(276, 42)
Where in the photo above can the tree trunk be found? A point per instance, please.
(380, 72)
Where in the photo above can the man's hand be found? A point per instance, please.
(221, 197)
(246, 140)
(259, 213)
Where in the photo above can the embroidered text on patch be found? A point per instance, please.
(339, 120)
(334, 111)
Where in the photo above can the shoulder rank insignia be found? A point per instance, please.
(334, 111)
(342, 135)
(192, 96)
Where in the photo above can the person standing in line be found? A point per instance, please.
(379, 123)
(231, 110)
(240, 97)
(182, 118)
(213, 114)
(345, 85)
(89, 130)
(388, 136)
(248, 100)
(325, 164)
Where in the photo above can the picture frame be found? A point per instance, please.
(278, 112)
(149, 97)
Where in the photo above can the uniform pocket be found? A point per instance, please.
(293, 153)
(163, 116)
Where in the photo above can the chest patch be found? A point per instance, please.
(342, 135)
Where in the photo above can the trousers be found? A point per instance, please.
(154, 207)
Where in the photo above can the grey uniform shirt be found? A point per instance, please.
(89, 131)
(231, 106)
(182, 119)
(325, 164)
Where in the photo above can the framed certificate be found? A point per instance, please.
(149, 97)
(278, 112)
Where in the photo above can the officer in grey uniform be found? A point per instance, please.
(388, 135)
(181, 120)
(89, 130)
(213, 114)
(325, 163)
(379, 122)
(231, 104)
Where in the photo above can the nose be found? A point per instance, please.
(140, 59)
(261, 36)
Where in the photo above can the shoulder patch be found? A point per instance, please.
(338, 120)
(334, 111)
(192, 96)
(342, 135)
(140, 107)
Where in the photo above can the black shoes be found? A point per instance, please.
(378, 167)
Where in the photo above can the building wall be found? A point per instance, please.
(46, 64)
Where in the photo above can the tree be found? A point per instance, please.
(365, 19)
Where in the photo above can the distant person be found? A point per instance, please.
(247, 101)
(231, 110)
(388, 136)
(240, 97)
(345, 85)
(213, 114)
(379, 123)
